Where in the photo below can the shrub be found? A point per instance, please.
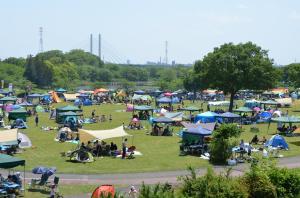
(212, 185)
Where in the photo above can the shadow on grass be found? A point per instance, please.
(42, 191)
(297, 143)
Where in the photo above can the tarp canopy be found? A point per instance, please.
(121, 93)
(190, 108)
(26, 104)
(162, 120)
(197, 129)
(7, 99)
(143, 108)
(284, 101)
(68, 108)
(71, 97)
(175, 116)
(70, 113)
(219, 103)
(286, 119)
(35, 95)
(228, 115)
(164, 100)
(9, 137)
(7, 161)
(269, 102)
(60, 90)
(206, 117)
(139, 92)
(86, 135)
(18, 113)
(243, 110)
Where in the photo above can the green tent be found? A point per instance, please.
(60, 90)
(8, 99)
(18, 113)
(39, 109)
(7, 161)
(60, 117)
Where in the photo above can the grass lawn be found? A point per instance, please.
(65, 190)
(159, 153)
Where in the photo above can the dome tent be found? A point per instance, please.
(206, 117)
(277, 141)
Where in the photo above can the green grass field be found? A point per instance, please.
(159, 153)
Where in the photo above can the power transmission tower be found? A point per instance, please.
(166, 52)
(41, 47)
(91, 43)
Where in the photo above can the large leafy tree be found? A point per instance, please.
(193, 82)
(233, 67)
(292, 74)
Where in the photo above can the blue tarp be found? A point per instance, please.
(164, 100)
(162, 120)
(277, 141)
(206, 117)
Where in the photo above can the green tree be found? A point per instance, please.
(233, 67)
(292, 74)
(193, 83)
(221, 145)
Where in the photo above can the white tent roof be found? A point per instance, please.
(70, 97)
(219, 103)
(8, 137)
(106, 134)
(25, 141)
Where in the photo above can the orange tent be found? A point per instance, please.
(104, 190)
(100, 90)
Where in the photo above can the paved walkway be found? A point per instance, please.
(153, 177)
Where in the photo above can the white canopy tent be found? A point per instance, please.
(86, 135)
(9, 137)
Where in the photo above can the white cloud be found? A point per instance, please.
(242, 6)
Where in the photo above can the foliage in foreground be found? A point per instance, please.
(263, 179)
(220, 147)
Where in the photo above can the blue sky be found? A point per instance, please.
(137, 29)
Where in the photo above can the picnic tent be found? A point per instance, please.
(194, 132)
(7, 161)
(229, 117)
(252, 103)
(68, 108)
(206, 117)
(277, 141)
(9, 137)
(87, 135)
(18, 114)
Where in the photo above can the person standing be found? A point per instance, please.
(132, 192)
(36, 120)
(124, 145)
(110, 118)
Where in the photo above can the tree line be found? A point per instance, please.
(54, 69)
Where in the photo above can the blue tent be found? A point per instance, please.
(77, 102)
(265, 115)
(139, 92)
(175, 100)
(206, 117)
(228, 115)
(277, 141)
(87, 102)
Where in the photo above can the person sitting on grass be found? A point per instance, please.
(254, 140)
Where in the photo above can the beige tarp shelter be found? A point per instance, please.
(284, 101)
(9, 137)
(86, 135)
(71, 97)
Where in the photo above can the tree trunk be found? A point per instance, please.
(231, 101)
(194, 97)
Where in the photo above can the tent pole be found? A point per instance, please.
(24, 181)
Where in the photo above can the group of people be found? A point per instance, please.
(286, 129)
(12, 184)
(101, 118)
(161, 131)
(100, 148)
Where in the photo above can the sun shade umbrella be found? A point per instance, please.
(39, 170)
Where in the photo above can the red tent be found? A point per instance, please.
(100, 90)
(104, 190)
